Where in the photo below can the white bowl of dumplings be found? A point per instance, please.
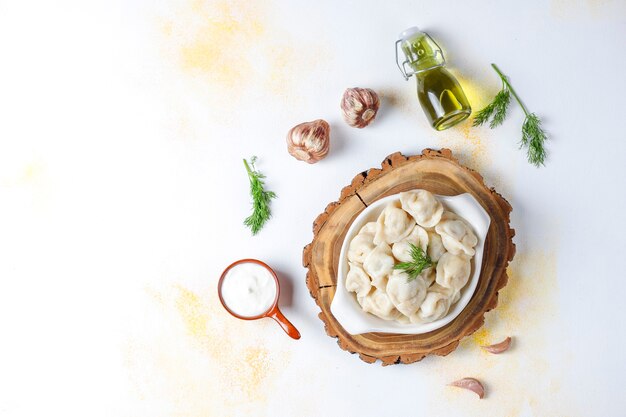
(372, 296)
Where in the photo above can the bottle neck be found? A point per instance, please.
(426, 72)
(422, 53)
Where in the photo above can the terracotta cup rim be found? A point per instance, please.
(270, 311)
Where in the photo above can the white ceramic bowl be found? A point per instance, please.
(346, 308)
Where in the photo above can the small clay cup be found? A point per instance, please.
(273, 312)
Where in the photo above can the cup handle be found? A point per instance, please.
(285, 324)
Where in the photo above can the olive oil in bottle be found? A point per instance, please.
(439, 93)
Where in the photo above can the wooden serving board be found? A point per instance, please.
(440, 173)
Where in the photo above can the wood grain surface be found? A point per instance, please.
(440, 173)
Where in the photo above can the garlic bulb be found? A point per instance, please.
(310, 141)
(359, 106)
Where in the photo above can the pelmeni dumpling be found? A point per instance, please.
(393, 225)
(378, 264)
(436, 304)
(360, 247)
(358, 281)
(457, 236)
(402, 250)
(435, 246)
(423, 206)
(453, 271)
(362, 244)
(453, 295)
(379, 304)
(406, 295)
(429, 275)
(369, 228)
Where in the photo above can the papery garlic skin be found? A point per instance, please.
(359, 106)
(309, 141)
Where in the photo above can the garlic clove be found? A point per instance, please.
(498, 347)
(471, 384)
(359, 106)
(309, 141)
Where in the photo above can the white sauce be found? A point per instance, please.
(249, 289)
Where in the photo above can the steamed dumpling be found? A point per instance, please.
(452, 295)
(378, 264)
(435, 246)
(360, 246)
(402, 249)
(436, 304)
(406, 296)
(456, 234)
(358, 281)
(393, 225)
(369, 228)
(423, 206)
(453, 271)
(429, 275)
(379, 304)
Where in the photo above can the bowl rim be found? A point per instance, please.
(340, 305)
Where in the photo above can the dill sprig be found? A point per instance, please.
(533, 138)
(496, 110)
(420, 261)
(533, 135)
(260, 198)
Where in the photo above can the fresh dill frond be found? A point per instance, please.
(483, 115)
(501, 101)
(533, 135)
(419, 261)
(496, 110)
(261, 198)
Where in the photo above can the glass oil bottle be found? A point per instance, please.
(439, 93)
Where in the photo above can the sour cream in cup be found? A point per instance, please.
(249, 290)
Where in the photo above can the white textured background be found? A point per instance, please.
(122, 194)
